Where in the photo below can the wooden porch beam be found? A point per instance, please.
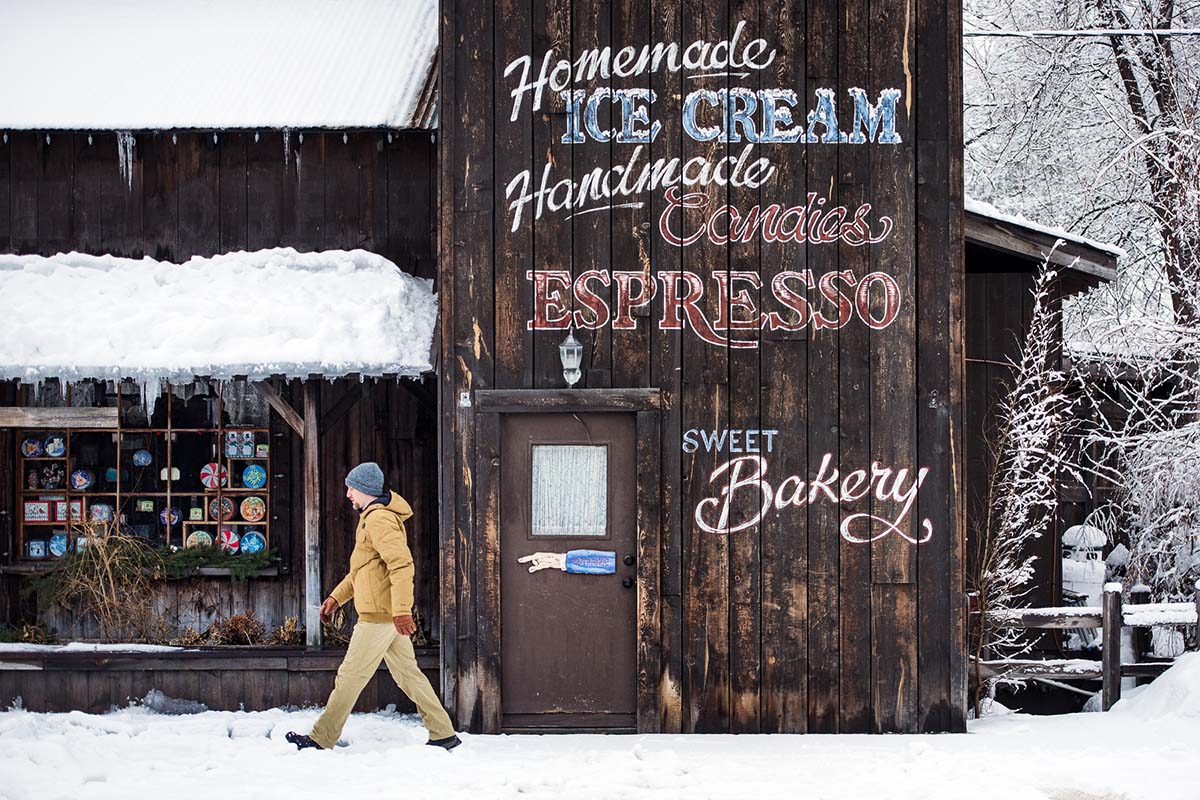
(282, 407)
(22, 417)
(312, 515)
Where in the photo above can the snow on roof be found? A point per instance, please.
(988, 210)
(271, 312)
(142, 65)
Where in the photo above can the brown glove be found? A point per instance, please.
(404, 624)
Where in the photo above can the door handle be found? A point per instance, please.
(627, 583)
(628, 560)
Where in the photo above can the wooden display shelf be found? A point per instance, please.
(165, 491)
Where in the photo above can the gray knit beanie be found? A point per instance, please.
(367, 478)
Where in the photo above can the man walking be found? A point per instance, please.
(380, 581)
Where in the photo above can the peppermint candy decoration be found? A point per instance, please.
(229, 540)
(214, 476)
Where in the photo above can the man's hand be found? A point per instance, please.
(327, 608)
(404, 624)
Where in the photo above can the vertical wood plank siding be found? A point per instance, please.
(784, 625)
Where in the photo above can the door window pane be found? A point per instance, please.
(570, 490)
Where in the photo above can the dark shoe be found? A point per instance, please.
(302, 740)
(449, 743)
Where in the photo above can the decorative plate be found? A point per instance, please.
(35, 549)
(56, 445)
(53, 476)
(229, 540)
(199, 539)
(32, 448)
(253, 509)
(221, 509)
(82, 479)
(254, 477)
(101, 512)
(196, 514)
(214, 476)
(142, 458)
(58, 545)
(252, 542)
(171, 514)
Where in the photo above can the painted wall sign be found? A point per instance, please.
(743, 482)
(797, 300)
(736, 115)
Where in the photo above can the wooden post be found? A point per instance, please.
(1111, 653)
(1197, 631)
(312, 513)
(1139, 595)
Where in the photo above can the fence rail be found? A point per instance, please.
(1111, 616)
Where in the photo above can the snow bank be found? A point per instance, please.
(159, 702)
(143, 65)
(270, 312)
(1174, 693)
(85, 647)
(135, 752)
(988, 210)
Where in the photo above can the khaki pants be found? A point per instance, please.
(370, 642)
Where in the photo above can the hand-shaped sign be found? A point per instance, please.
(583, 562)
(542, 561)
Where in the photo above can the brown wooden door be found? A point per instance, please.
(568, 482)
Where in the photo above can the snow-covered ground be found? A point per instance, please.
(1144, 748)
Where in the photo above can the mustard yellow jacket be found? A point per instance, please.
(380, 579)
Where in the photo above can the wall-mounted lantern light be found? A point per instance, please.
(570, 352)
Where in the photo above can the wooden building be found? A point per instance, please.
(766, 450)
(201, 155)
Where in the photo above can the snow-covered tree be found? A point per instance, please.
(1028, 455)
(1144, 381)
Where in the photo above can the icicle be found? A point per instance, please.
(214, 137)
(150, 395)
(298, 160)
(6, 138)
(345, 138)
(256, 136)
(287, 146)
(173, 139)
(125, 143)
(389, 137)
(89, 140)
(301, 137)
(47, 138)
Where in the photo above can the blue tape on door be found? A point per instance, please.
(591, 562)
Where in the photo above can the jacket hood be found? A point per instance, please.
(397, 505)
